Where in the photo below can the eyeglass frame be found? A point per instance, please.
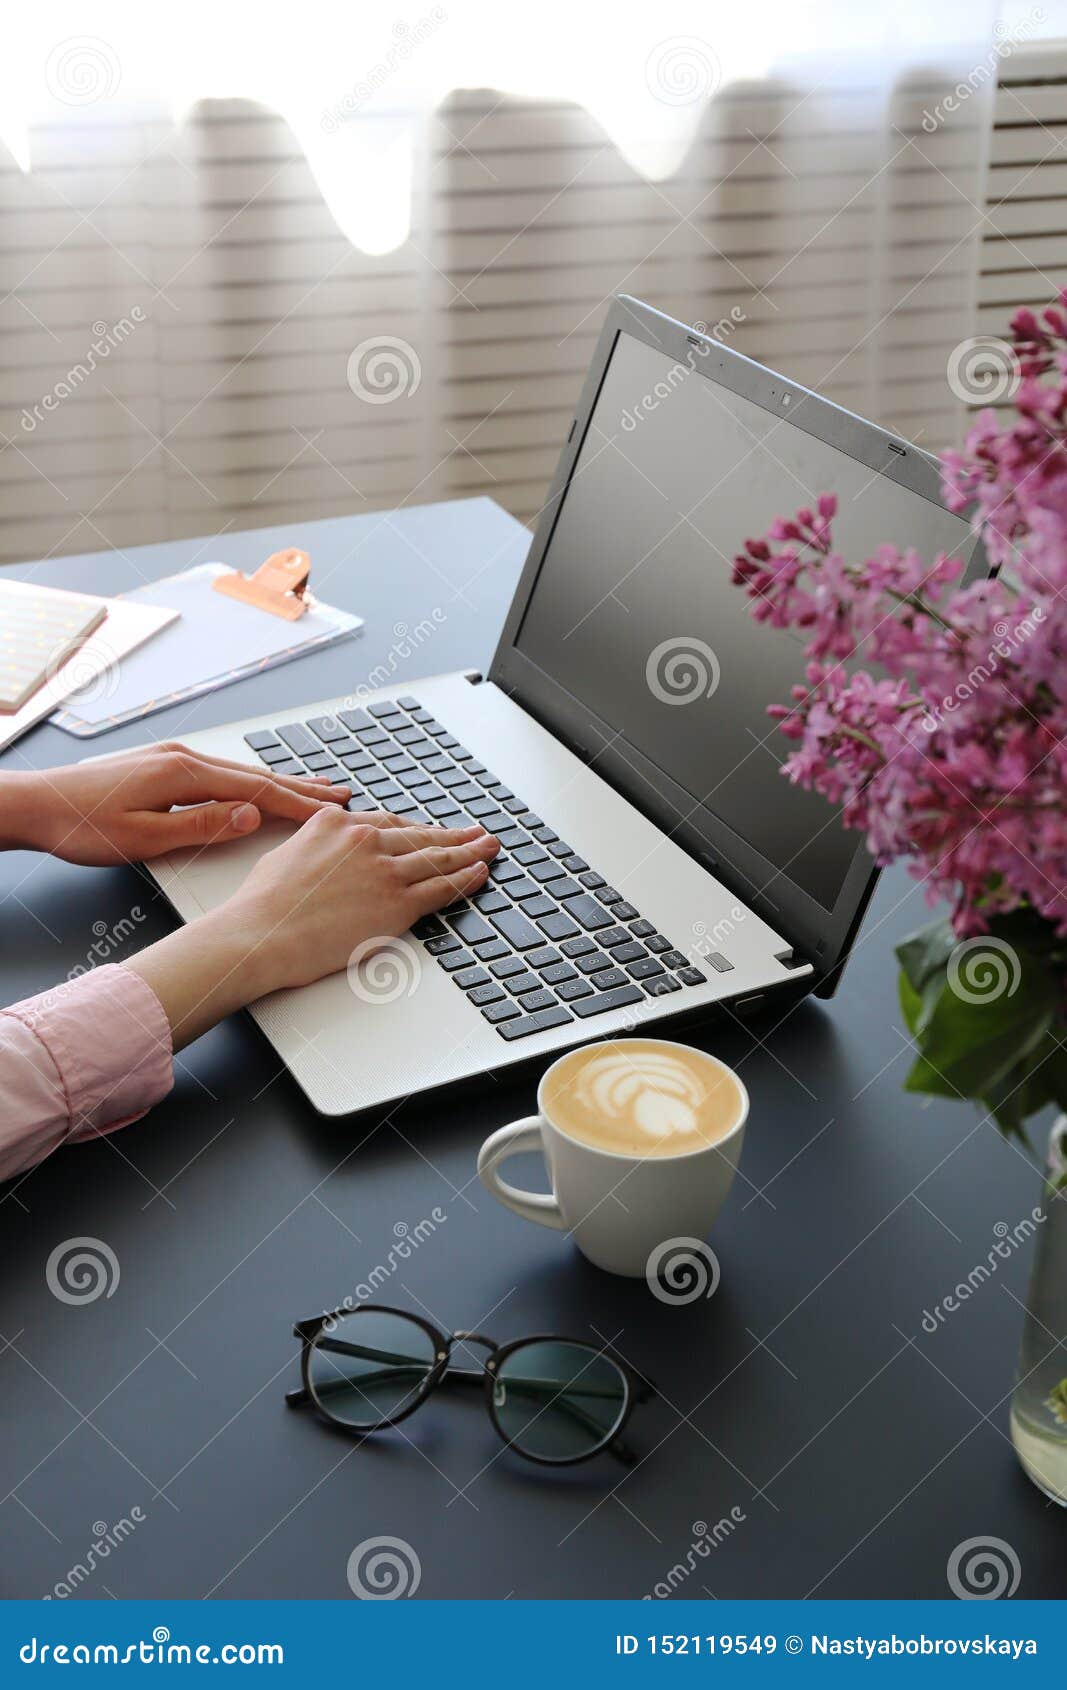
(638, 1388)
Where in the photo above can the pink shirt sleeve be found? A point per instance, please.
(78, 1061)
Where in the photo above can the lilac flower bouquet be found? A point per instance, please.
(952, 754)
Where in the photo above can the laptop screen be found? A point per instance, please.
(633, 612)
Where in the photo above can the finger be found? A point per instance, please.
(444, 859)
(310, 785)
(202, 824)
(429, 895)
(414, 837)
(199, 782)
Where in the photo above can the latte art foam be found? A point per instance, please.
(642, 1097)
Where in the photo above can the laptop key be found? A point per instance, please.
(601, 1002)
(355, 719)
(623, 912)
(645, 969)
(610, 977)
(719, 962)
(691, 976)
(592, 879)
(384, 708)
(546, 871)
(494, 821)
(489, 949)
(507, 967)
(612, 936)
(409, 703)
(672, 959)
(357, 760)
(489, 901)
(439, 943)
(529, 853)
(409, 736)
(435, 764)
(539, 1000)
(482, 995)
(571, 989)
(539, 906)
(429, 927)
(504, 870)
(462, 794)
(642, 929)
(372, 736)
(631, 951)
(565, 888)
(539, 1023)
(328, 728)
(442, 807)
(520, 984)
(423, 749)
(274, 754)
(468, 977)
(545, 835)
(506, 1010)
(655, 941)
(260, 740)
(384, 794)
(480, 806)
(659, 988)
(531, 821)
(559, 848)
(515, 805)
(544, 958)
(362, 804)
(298, 739)
(517, 930)
(586, 910)
(575, 864)
(578, 947)
(512, 838)
(557, 926)
(522, 889)
(594, 962)
(610, 895)
(470, 927)
(557, 973)
(317, 760)
(453, 960)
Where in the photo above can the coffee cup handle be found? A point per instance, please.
(510, 1141)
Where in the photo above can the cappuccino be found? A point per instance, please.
(642, 1097)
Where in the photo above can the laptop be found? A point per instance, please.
(656, 865)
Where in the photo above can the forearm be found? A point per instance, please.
(24, 811)
(205, 971)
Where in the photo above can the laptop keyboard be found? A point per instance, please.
(547, 940)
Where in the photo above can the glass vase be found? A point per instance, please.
(1039, 1405)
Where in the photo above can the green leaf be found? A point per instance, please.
(926, 953)
(965, 1047)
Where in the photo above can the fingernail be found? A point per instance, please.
(244, 818)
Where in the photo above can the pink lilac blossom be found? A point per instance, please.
(953, 756)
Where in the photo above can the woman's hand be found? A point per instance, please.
(119, 809)
(341, 882)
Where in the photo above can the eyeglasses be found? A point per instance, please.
(553, 1400)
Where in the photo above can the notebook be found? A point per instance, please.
(214, 641)
(39, 629)
(94, 667)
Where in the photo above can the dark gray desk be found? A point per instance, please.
(859, 1449)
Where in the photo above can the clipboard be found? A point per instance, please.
(217, 638)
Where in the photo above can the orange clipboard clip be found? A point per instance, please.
(279, 585)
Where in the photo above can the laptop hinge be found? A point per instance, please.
(474, 676)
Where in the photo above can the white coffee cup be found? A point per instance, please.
(618, 1208)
